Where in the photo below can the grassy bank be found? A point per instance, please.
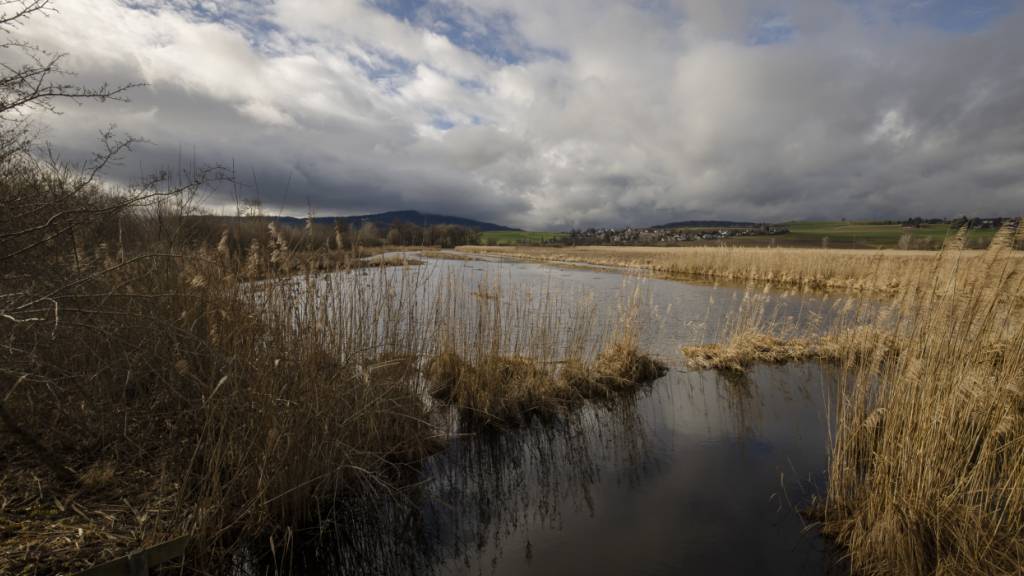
(805, 268)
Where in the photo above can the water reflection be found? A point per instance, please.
(695, 475)
(698, 474)
(480, 500)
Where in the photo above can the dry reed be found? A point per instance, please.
(160, 387)
(926, 472)
(761, 346)
(513, 353)
(927, 469)
(884, 271)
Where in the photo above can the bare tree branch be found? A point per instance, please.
(12, 12)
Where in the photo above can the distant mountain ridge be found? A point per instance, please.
(385, 219)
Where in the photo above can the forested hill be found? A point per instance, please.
(385, 219)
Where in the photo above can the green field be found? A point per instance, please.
(840, 234)
(510, 237)
(872, 235)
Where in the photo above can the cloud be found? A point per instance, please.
(575, 113)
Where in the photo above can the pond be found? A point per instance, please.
(694, 474)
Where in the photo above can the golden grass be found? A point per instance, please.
(496, 389)
(750, 347)
(926, 472)
(446, 255)
(498, 375)
(927, 469)
(887, 271)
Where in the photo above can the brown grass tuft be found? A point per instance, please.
(751, 347)
(622, 365)
(496, 390)
(553, 358)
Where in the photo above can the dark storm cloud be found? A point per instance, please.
(573, 113)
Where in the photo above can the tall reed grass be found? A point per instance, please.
(926, 472)
(155, 386)
(927, 469)
(498, 372)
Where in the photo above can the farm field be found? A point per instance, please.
(871, 235)
(517, 237)
(816, 234)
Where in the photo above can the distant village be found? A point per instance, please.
(972, 223)
(669, 234)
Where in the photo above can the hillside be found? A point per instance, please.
(385, 219)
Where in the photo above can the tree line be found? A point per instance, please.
(317, 235)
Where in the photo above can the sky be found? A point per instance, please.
(575, 113)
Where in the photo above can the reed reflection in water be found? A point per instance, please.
(695, 474)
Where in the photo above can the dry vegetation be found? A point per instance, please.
(445, 255)
(748, 348)
(150, 390)
(166, 374)
(153, 386)
(758, 331)
(498, 374)
(888, 271)
(927, 465)
(927, 471)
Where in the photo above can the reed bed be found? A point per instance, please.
(926, 472)
(445, 255)
(888, 271)
(498, 374)
(927, 469)
(172, 396)
(761, 347)
(152, 386)
(758, 332)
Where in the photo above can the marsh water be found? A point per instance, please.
(695, 474)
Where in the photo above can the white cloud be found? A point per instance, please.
(579, 112)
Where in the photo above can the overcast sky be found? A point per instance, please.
(549, 114)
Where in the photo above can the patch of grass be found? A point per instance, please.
(445, 255)
(760, 346)
(500, 391)
(496, 390)
(500, 377)
(743, 350)
(622, 366)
